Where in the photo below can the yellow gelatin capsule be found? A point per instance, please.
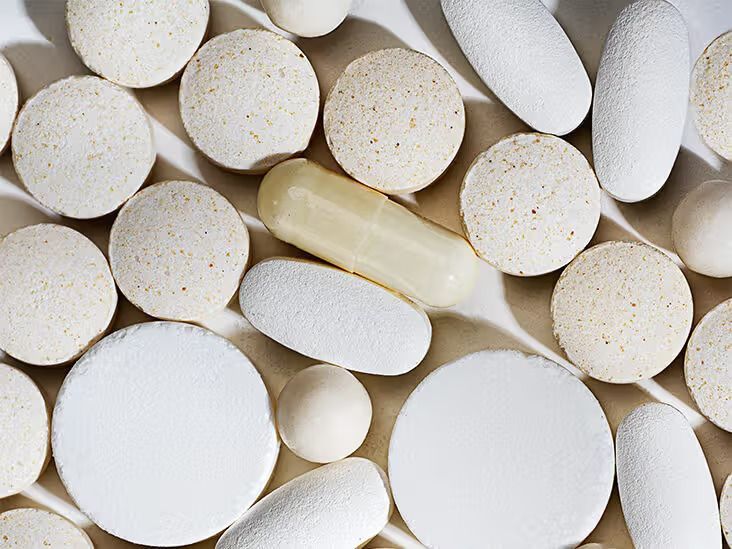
(362, 231)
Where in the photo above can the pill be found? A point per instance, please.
(341, 504)
(501, 449)
(307, 18)
(641, 96)
(622, 311)
(28, 528)
(522, 54)
(9, 99)
(529, 204)
(249, 99)
(57, 295)
(394, 120)
(163, 434)
(666, 490)
(82, 146)
(725, 509)
(136, 44)
(701, 228)
(362, 231)
(335, 316)
(178, 250)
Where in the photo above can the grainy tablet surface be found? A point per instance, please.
(9, 99)
(35, 528)
(725, 509)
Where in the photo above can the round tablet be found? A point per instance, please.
(530, 204)
(163, 434)
(394, 120)
(57, 295)
(82, 146)
(501, 449)
(249, 99)
(307, 18)
(323, 413)
(9, 98)
(725, 510)
(28, 528)
(622, 311)
(178, 250)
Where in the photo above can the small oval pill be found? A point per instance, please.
(28, 528)
(9, 99)
(362, 231)
(342, 504)
(307, 18)
(725, 510)
(335, 316)
(641, 97)
(666, 489)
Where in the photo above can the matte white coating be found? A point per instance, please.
(9, 99)
(307, 18)
(38, 529)
(725, 509)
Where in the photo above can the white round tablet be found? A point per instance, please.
(163, 434)
(725, 510)
(35, 528)
(323, 413)
(622, 311)
(249, 99)
(57, 295)
(24, 424)
(307, 18)
(82, 146)
(394, 120)
(9, 98)
(501, 449)
(178, 250)
(530, 204)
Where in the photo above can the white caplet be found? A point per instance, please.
(725, 509)
(307, 18)
(38, 529)
(9, 99)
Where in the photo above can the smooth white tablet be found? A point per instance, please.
(529, 204)
(136, 44)
(501, 449)
(307, 18)
(641, 97)
(9, 99)
(725, 509)
(163, 434)
(525, 58)
(394, 120)
(24, 424)
(666, 490)
(342, 504)
(57, 295)
(82, 146)
(249, 99)
(178, 250)
(35, 528)
(335, 316)
(622, 311)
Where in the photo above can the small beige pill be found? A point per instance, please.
(35, 528)
(725, 509)
(9, 99)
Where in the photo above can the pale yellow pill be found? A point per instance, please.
(35, 528)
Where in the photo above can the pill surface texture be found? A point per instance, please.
(666, 490)
(9, 99)
(35, 528)
(622, 311)
(163, 434)
(249, 99)
(307, 18)
(342, 504)
(362, 231)
(640, 102)
(725, 509)
(501, 449)
(335, 316)
(394, 120)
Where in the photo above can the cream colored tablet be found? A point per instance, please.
(35, 528)
(335, 316)
(57, 295)
(666, 490)
(24, 424)
(501, 449)
(163, 434)
(178, 250)
(394, 120)
(323, 413)
(249, 99)
(9, 99)
(342, 504)
(136, 44)
(307, 18)
(529, 204)
(725, 509)
(622, 311)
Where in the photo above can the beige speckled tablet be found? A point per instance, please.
(622, 311)
(530, 204)
(9, 98)
(133, 43)
(249, 99)
(725, 510)
(35, 528)
(82, 146)
(178, 250)
(57, 295)
(394, 120)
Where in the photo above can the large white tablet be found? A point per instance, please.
(38, 529)
(9, 99)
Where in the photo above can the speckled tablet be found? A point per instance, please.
(529, 204)
(725, 509)
(28, 528)
(178, 250)
(622, 311)
(57, 295)
(82, 146)
(9, 99)
(394, 120)
(249, 99)
(136, 44)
